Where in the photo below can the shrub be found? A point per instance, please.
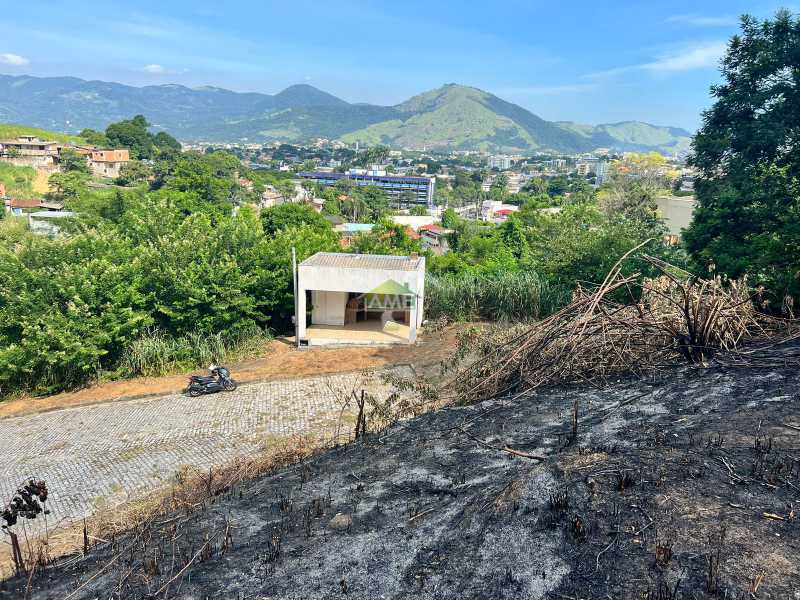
(157, 353)
(505, 296)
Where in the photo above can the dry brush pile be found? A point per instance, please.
(628, 325)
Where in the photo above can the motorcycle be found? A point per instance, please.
(219, 380)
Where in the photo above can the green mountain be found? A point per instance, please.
(449, 117)
(634, 135)
(465, 118)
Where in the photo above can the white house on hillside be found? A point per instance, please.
(360, 298)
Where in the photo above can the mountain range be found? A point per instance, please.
(449, 117)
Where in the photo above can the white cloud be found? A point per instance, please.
(154, 69)
(704, 21)
(15, 60)
(687, 58)
(700, 56)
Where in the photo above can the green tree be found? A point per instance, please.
(206, 182)
(376, 155)
(70, 161)
(387, 237)
(133, 172)
(133, 135)
(286, 188)
(748, 191)
(557, 186)
(499, 188)
(166, 143)
(377, 202)
(418, 210)
(285, 216)
(536, 186)
(67, 186)
(450, 219)
(95, 138)
(630, 198)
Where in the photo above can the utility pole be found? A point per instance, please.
(294, 284)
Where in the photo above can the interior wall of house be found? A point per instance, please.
(328, 308)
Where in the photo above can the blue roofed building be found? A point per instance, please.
(403, 191)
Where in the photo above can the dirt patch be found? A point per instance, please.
(691, 491)
(282, 361)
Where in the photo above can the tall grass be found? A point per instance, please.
(158, 353)
(509, 296)
(18, 181)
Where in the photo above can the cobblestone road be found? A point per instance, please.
(107, 453)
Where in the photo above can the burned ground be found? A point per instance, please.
(685, 486)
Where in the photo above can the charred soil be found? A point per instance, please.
(681, 486)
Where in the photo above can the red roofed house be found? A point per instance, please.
(434, 237)
(17, 205)
(412, 234)
(108, 163)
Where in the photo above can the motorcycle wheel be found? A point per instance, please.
(194, 392)
(229, 385)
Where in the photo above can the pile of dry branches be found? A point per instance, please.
(629, 325)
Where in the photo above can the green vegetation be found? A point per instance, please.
(9, 131)
(134, 135)
(460, 117)
(749, 188)
(504, 296)
(564, 233)
(354, 204)
(452, 116)
(182, 269)
(157, 353)
(167, 272)
(17, 180)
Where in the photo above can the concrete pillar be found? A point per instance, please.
(412, 322)
(301, 309)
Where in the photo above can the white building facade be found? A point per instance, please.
(359, 297)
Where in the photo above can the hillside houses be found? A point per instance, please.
(30, 151)
(105, 163)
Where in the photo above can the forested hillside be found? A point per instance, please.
(450, 117)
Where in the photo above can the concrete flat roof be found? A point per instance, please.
(363, 261)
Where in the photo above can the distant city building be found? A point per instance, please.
(585, 166)
(677, 212)
(557, 164)
(416, 222)
(601, 172)
(403, 191)
(494, 210)
(499, 162)
(515, 182)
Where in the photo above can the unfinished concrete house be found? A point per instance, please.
(359, 299)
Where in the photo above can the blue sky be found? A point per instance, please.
(593, 62)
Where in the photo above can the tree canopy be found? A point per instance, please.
(748, 191)
(134, 135)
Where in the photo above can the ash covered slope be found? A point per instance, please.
(666, 484)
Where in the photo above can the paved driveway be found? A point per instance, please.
(107, 453)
